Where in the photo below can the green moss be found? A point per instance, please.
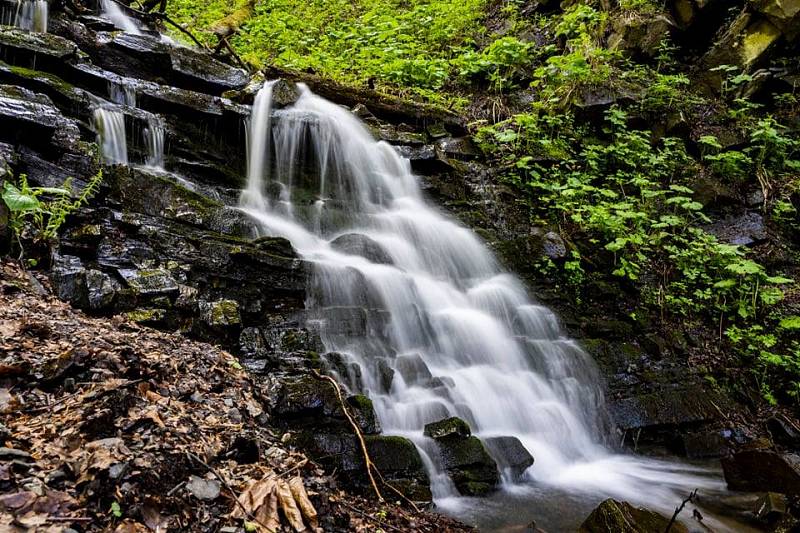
(757, 38)
(146, 315)
(359, 401)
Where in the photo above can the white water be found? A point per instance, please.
(113, 12)
(109, 124)
(122, 94)
(31, 15)
(442, 308)
(154, 142)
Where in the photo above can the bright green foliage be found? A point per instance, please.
(42, 210)
(407, 43)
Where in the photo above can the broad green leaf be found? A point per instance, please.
(18, 202)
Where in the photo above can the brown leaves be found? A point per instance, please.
(259, 504)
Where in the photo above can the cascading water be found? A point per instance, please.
(113, 12)
(31, 15)
(398, 285)
(122, 94)
(110, 126)
(154, 142)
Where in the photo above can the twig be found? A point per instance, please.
(679, 509)
(357, 430)
(165, 18)
(229, 48)
(367, 515)
(227, 486)
(175, 488)
(69, 519)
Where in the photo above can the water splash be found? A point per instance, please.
(399, 286)
(109, 124)
(154, 142)
(113, 12)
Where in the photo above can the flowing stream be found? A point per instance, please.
(398, 285)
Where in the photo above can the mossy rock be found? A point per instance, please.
(622, 517)
(447, 428)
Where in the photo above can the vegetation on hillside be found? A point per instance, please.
(619, 186)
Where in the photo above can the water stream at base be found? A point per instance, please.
(399, 285)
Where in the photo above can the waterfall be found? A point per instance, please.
(121, 93)
(110, 126)
(398, 285)
(29, 15)
(154, 141)
(113, 12)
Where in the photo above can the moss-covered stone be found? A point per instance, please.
(221, 313)
(146, 316)
(449, 427)
(622, 517)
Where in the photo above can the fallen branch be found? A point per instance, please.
(370, 465)
(229, 48)
(679, 509)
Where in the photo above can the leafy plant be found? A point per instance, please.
(43, 210)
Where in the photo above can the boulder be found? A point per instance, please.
(745, 43)
(762, 471)
(220, 313)
(745, 230)
(359, 244)
(784, 431)
(639, 36)
(33, 119)
(622, 517)
(464, 457)
(783, 14)
(68, 276)
(510, 454)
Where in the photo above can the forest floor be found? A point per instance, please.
(110, 426)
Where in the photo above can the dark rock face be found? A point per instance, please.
(465, 458)
(622, 517)
(762, 471)
(510, 454)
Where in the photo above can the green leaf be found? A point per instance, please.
(116, 510)
(790, 322)
(18, 202)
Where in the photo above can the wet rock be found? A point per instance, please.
(348, 321)
(155, 282)
(417, 154)
(784, 432)
(702, 445)
(771, 507)
(149, 58)
(762, 471)
(464, 457)
(412, 368)
(469, 465)
(32, 117)
(622, 517)
(449, 427)
(220, 313)
(359, 244)
(68, 276)
(23, 48)
(746, 229)
(510, 455)
(401, 134)
(284, 93)
(100, 289)
(458, 148)
(363, 413)
(783, 14)
(669, 407)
